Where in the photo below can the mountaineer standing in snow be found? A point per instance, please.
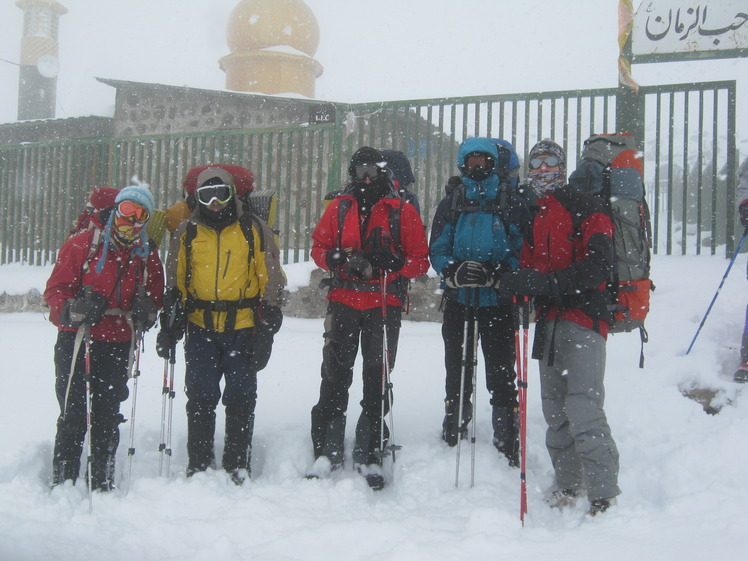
(106, 285)
(225, 288)
(566, 271)
(365, 235)
(477, 234)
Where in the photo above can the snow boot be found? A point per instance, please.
(328, 438)
(366, 449)
(741, 374)
(237, 450)
(562, 498)
(201, 428)
(104, 454)
(505, 422)
(450, 430)
(373, 475)
(65, 470)
(102, 472)
(367, 453)
(599, 506)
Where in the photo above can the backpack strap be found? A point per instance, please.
(344, 206)
(498, 206)
(189, 235)
(93, 249)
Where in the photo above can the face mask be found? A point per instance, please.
(544, 183)
(479, 173)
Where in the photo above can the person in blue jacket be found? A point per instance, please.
(477, 234)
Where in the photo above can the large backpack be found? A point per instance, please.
(610, 167)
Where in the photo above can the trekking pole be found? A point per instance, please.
(167, 392)
(521, 353)
(387, 393)
(135, 376)
(724, 277)
(466, 327)
(164, 446)
(476, 336)
(89, 458)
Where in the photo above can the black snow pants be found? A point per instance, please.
(496, 329)
(344, 327)
(108, 363)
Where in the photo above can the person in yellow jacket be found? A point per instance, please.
(224, 288)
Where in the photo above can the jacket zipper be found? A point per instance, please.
(226, 269)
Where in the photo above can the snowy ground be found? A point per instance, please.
(683, 472)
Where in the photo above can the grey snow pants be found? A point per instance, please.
(578, 437)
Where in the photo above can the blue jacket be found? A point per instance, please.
(490, 232)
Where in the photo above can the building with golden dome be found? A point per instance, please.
(272, 45)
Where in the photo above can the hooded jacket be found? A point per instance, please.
(122, 272)
(330, 234)
(491, 235)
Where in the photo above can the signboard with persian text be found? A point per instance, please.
(677, 30)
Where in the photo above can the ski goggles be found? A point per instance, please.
(550, 161)
(132, 212)
(370, 170)
(208, 193)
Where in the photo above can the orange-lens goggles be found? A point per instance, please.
(132, 211)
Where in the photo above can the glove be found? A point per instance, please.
(87, 308)
(271, 318)
(166, 340)
(173, 323)
(379, 252)
(144, 313)
(524, 282)
(461, 274)
(743, 211)
(386, 260)
(359, 267)
(335, 258)
(495, 272)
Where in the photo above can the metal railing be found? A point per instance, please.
(689, 150)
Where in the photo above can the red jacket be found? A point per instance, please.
(117, 282)
(580, 260)
(329, 233)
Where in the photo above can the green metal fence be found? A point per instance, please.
(688, 144)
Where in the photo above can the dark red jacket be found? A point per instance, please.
(329, 233)
(117, 282)
(579, 258)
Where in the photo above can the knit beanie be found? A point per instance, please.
(548, 147)
(137, 193)
(141, 195)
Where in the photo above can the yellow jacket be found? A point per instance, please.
(222, 279)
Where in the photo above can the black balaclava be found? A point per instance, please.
(218, 220)
(368, 194)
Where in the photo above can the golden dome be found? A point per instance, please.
(259, 24)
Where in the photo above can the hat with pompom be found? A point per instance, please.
(137, 193)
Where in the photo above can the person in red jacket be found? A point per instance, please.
(565, 267)
(366, 235)
(107, 285)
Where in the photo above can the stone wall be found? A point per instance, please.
(306, 302)
(310, 302)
